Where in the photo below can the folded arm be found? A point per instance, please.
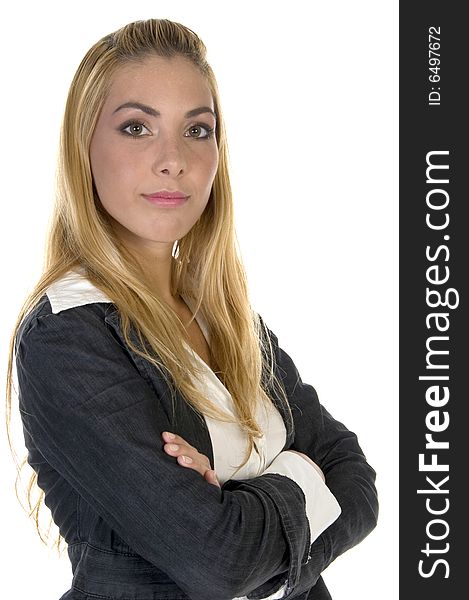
(348, 475)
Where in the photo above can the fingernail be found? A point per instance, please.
(173, 447)
(187, 459)
(169, 435)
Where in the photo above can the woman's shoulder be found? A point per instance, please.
(267, 336)
(69, 299)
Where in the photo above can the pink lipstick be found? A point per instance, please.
(167, 198)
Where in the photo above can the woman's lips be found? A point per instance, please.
(166, 198)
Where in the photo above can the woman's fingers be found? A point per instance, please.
(212, 478)
(178, 447)
(188, 456)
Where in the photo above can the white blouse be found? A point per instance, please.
(322, 509)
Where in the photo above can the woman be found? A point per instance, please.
(178, 449)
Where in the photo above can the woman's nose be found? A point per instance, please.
(169, 158)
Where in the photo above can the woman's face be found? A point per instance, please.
(155, 135)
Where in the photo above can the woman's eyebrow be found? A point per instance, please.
(198, 111)
(154, 113)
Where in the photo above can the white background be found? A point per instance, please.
(309, 94)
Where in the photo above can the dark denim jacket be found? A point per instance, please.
(138, 526)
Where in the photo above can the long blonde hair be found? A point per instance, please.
(206, 269)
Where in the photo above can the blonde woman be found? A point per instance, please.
(176, 445)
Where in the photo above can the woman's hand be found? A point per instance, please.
(188, 456)
(318, 469)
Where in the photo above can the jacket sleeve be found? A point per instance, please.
(348, 475)
(98, 423)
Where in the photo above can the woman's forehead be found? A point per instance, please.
(160, 77)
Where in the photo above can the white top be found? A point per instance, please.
(322, 509)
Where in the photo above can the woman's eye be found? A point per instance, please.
(135, 129)
(199, 132)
